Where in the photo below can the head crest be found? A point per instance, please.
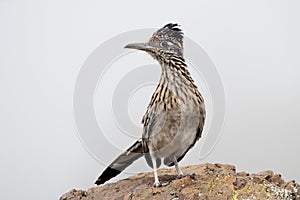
(174, 28)
(170, 32)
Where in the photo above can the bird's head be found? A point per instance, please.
(166, 40)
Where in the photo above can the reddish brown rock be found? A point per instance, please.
(211, 181)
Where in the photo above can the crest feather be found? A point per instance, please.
(171, 32)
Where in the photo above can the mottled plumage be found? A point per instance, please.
(175, 116)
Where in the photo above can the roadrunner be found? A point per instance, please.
(175, 116)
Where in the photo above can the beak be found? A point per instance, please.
(139, 46)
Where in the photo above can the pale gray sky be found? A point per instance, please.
(254, 45)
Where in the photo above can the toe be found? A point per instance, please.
(184, 175)
(165, 183)
(179, 176)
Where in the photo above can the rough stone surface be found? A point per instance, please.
(210, 181)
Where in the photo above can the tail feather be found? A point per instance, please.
(133, 153)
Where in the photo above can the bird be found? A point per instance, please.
(175, 116)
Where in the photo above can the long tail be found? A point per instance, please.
(133, 153)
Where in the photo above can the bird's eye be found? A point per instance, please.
(166, 44)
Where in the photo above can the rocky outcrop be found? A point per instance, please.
(209, 181)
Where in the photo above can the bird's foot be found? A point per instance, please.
(184, 175)
(157, 184)
(160, 184)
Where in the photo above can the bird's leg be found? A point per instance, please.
(178, 170)
(156, 181)
(180, 174)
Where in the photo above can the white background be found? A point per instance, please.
(254, 44)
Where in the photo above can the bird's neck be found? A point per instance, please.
(175, 71)
(175, 81)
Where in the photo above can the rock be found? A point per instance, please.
(210, 181)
